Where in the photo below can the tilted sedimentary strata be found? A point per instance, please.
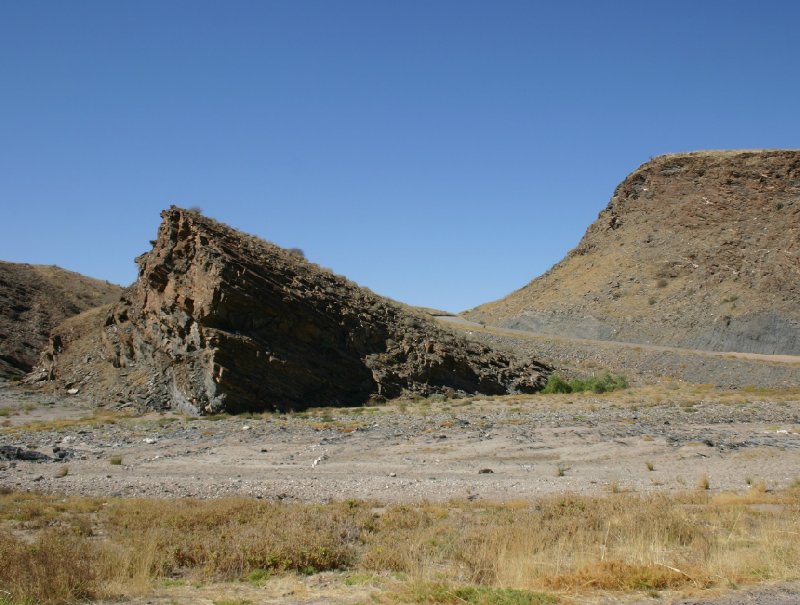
(223, 321)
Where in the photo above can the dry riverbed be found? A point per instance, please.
(664, 437)
(669, 437)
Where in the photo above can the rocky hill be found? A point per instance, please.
(223, 321)
(697, 250)
(33, 300)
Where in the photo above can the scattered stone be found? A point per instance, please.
(10, 452)
(60, 453)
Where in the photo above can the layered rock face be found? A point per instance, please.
(33, 300)
(698, 250)
(222, 321)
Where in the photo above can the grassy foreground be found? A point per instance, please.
(58, 550)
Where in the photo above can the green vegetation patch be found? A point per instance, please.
(601, 384)
(477, 595)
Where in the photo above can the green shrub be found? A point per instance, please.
(556, 384)
(602, 384)
(443, 594)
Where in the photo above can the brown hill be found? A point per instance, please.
(33, 300)
(698, 250)
(222, 321)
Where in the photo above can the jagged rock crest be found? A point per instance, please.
(223, 321)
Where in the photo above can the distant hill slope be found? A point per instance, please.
(698, 250)
(36, 298)
(219, 320)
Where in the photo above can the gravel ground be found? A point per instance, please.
(508, 448)
(503, 449)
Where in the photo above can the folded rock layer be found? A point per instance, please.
(220, 321)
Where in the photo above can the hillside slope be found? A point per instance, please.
(698, 250)
(33, 300)
(219, 320)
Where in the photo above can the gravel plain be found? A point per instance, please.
(661, 435)
(508, 448)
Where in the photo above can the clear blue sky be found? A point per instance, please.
(442, 153)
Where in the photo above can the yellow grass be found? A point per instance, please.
(97, 418)
(56, 550)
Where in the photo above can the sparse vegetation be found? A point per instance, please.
(758, 486)
(487, 554)
(602, 384)
(446, 594)
(115, 460)
(97, 418)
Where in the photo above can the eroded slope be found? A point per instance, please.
(698, 250)
(33, 300)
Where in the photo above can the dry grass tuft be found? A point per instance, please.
(485, 554)
(57, 567)
(437, 593)
(98, 418)
(227, 539)
(627, 577)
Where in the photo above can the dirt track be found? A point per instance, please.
(641, 363)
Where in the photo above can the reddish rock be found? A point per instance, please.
(222, 321)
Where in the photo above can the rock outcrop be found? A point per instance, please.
(219, 321)
(698, 250)
(33, 300)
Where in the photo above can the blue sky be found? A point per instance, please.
(442, 153)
